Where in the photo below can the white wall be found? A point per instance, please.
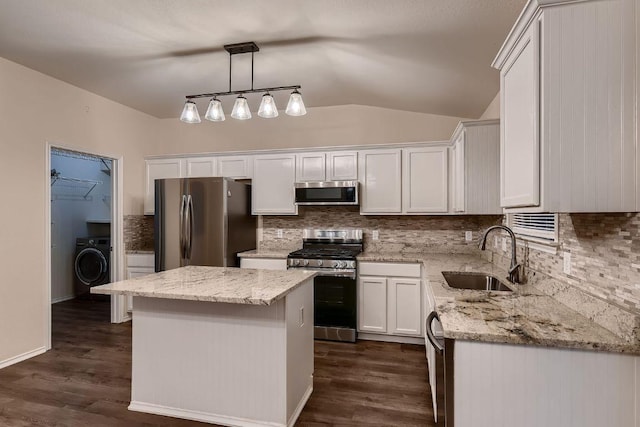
(70, 210)
(493, 109)
(321, 127)
(36, 109)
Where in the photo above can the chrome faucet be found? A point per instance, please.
(514, 268)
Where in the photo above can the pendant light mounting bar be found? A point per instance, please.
(244, 47)
(241, 92)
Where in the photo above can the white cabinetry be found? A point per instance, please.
(342, 166)
(380, 181)
(201, 166)
(568, 107)
(158, 169)
(389, 301)
(310, 167)
(237, 167)
(138, 265)
(424, 180)
(264, 263)
(329, 166)
(273, 180)
(474, 168)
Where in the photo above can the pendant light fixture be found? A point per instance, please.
(190, 112)
(268, 109)
(215, 113)
(241, 110)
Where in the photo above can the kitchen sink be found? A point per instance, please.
(476, 281)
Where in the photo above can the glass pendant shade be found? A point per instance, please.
(295, 107)
(241, 109)
(215, 112)
(190, 113)
(268, 109)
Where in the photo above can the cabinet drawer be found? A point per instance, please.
(141, 260)
(390, 269)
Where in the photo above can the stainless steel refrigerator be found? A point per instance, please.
(202, 221)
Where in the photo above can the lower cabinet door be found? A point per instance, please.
(372, 309)
(404, 307)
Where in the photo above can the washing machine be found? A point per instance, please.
(92, 264)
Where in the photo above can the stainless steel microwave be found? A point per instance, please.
(327, 193)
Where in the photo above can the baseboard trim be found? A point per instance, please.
(300, 407)
(21, 357)
(60, 299)
(390, 338)
(206, 417)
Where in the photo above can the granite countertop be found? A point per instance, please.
(524, 316)
(265, 253)
(212, 284)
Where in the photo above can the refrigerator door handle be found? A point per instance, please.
(183, 222)
(190, 225)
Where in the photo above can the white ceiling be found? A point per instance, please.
(430, 56)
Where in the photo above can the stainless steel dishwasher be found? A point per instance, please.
(444, 349)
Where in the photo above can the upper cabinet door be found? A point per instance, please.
(158, 169)
(458, 173)
(519, 101)
(202, 167)
(342, 166)
(424, 181)
(310, 167)
(272, 190)
(380, 181)
(238, 167)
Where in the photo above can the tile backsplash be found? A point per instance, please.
(605, 257)
(396, 233)
(138, 233)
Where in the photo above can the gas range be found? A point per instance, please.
(327, 250)
(332, 254)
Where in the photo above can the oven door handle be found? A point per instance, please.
(327, 272)
(432, 338)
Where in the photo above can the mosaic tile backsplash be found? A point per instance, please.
(138, 233)
(396, 233)
(605, 256)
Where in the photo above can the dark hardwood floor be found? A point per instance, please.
(85, 380)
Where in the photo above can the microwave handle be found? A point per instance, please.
(432, 338)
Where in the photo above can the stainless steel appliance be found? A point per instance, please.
(327, 193)
(444, 348)
(202, 221)
(331, 253)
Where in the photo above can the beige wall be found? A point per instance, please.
(321, 127)
(35, 109)
(493, 109)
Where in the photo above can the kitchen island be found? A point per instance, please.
(221, 345)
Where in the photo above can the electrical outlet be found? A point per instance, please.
(279, 233)
(504, 243)
(566, 258)
(375, 234)
(495, 242)
(468, 236)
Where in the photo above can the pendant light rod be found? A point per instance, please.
(241, 92)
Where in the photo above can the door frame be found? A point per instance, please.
(118, 306)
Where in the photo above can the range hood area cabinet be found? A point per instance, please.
(568, 91)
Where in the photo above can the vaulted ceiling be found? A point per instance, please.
(430, 56)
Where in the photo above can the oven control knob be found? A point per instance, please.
(335, 264)
(296, 262)
(319, 262)
(305, 262)
(341, 264)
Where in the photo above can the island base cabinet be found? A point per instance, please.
(228, 364)
(525, 386)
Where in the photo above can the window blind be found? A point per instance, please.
(538, 225)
